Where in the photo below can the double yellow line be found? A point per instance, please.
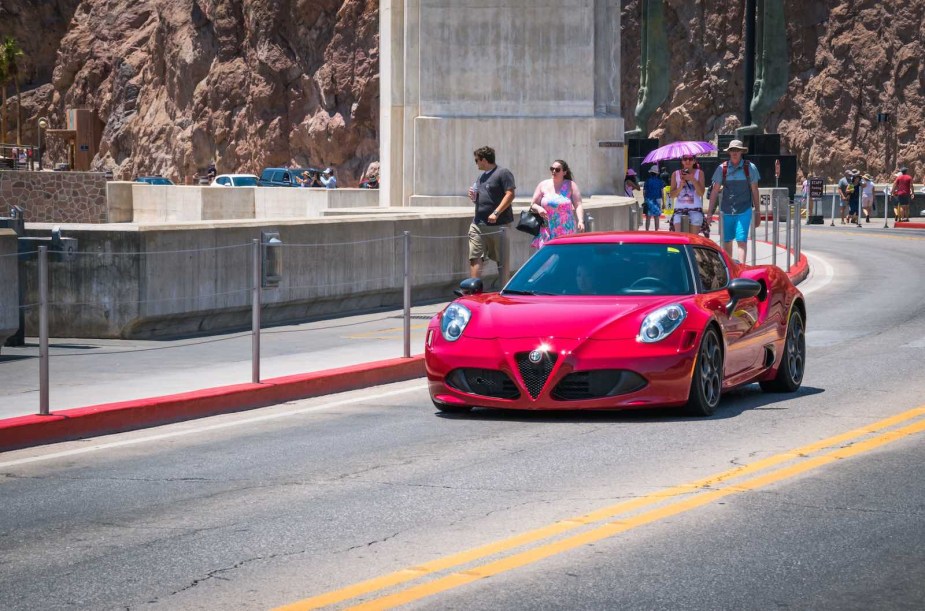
(695, 494)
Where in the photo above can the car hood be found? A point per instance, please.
(499, 316)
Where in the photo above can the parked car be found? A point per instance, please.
(619, 321)
(284, 177)
(154, 180)
(235, 180)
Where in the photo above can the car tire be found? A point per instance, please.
(452, 409)
(707, 381)
(793, 362)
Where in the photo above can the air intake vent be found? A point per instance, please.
(535, 374)
(596, 384)
(485, 382)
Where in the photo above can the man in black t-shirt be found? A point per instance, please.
(492, 193)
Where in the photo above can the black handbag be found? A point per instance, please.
(530, 222)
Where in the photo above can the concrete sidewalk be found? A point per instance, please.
(103, 386)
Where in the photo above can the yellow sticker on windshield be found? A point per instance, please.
(673, 249)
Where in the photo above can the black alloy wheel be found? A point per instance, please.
(793, 362)
(707, 382)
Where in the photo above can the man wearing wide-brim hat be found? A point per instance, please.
(738, 181)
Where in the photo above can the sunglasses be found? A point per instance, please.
(554, 170)
(687, 158)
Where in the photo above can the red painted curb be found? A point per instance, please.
(909, 225)
(26, 431)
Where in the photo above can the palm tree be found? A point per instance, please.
(10, 51)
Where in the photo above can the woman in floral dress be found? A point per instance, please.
(558, 201)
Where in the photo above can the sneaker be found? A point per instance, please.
(868, 219)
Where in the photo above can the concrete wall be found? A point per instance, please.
(177, 204)
(56, 197)
(195, 277)
(9, 281)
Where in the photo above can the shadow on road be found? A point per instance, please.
(732, 404)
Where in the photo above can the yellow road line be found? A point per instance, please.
(614, 528)
(563, 526)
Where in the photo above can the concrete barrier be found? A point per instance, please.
(138, 281)
(9, 280)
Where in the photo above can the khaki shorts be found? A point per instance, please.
(485, 242)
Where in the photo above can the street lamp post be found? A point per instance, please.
(42, 126)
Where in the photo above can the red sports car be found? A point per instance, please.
(618, 321)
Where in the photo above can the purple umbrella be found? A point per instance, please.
(676, 150)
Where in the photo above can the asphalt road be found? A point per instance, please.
(810, 501)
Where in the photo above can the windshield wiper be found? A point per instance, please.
(516, 292)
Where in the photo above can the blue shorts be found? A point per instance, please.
(737, 226)
(653, 207)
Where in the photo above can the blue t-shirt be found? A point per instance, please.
(652, 188)
(736, 196)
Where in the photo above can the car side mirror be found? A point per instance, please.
(469, 286)
(741, 288)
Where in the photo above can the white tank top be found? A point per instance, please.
(688, 197)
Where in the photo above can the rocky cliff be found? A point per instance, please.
(178, 83)
(255, 83)
(849, 60)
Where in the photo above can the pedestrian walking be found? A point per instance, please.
(687, 189)
(492, 193)
(854, 196)
(902, 191)
(737, 179)
(652, 195)
(867, 196)
(558, 201)
(844, 194)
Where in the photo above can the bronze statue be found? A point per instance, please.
(772, 64)
(653, 66)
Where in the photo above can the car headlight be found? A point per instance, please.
(659, 324)
(454, 321)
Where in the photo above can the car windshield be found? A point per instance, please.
(245, 181)
(604, 269)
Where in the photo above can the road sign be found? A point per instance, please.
(815, 187)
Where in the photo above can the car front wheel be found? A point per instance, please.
(707, 382)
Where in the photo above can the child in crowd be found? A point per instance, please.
(652, 192)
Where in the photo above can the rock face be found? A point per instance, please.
(849, 60)
(258, 83)
(178, 83)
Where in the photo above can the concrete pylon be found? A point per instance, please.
(537, 80)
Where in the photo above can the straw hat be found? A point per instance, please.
(736, 145)
(867, 177)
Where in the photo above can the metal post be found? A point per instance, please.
(886, 204)
(767, 216)
(255, 313)
(504, 274)
(789, 229)
(775, 232)
(722, 237)
(754, 234)
(834, 195)
(43, 330)
(685, 223)
(406, 298)
(798, 241)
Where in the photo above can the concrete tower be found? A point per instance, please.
(535, 79)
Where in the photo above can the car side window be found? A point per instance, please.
(222, 181)
(286, 177)
(712, 270)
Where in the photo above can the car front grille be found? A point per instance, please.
(535, 374)
(485, 382)
(597, 383)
